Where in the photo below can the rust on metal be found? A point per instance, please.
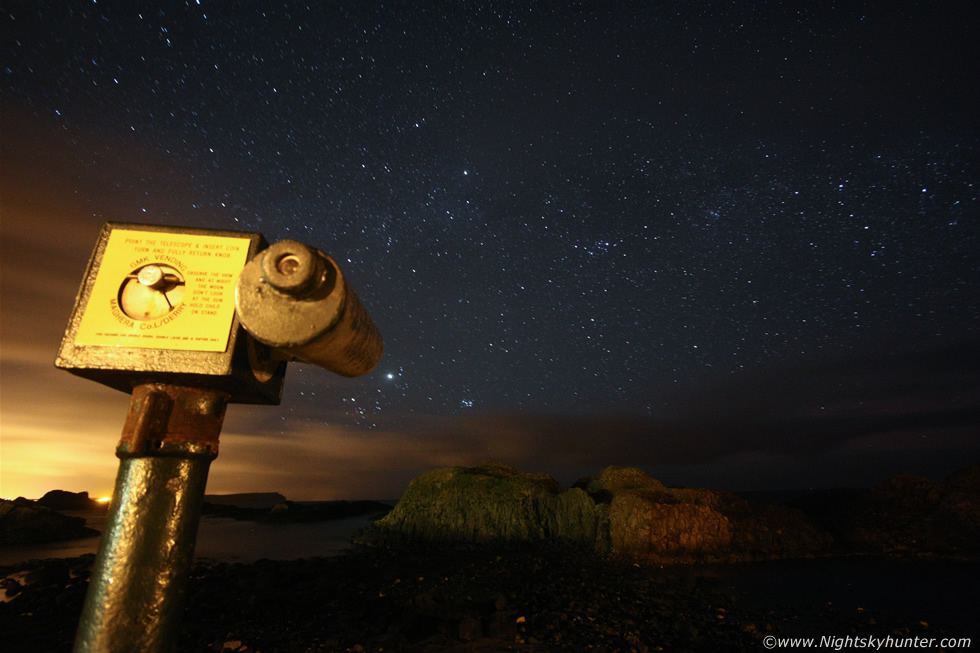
(161, 416)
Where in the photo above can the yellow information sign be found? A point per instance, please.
(161, 290)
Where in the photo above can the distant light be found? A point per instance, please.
(105, 499)
(391, 376)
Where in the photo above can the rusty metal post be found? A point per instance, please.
(136, 593)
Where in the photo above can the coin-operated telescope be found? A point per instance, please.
(189, 320)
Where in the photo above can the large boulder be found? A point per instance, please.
(647, 527)
(648, 520)
(645, 519)
(24, 522)
(489, 502)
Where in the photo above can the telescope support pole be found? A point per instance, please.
(136, 593)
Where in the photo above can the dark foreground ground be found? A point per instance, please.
(523, 598)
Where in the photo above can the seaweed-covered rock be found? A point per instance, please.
(489, 502)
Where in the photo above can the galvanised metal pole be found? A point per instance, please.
(136, 593)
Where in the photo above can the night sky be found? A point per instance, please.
(734, 244)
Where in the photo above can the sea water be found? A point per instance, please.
(218, 539)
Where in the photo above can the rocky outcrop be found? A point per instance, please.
(64, 500)
(624, 512)
(904, 515)
(649, 520)
(489, 502)
(23, 521)
(621, 512)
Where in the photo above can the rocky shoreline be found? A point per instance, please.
(491, 559)
(543, 596)
(623, 511)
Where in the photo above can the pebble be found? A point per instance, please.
(526, 598)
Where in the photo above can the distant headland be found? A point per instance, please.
(27, 521)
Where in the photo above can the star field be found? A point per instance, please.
(555, 208)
